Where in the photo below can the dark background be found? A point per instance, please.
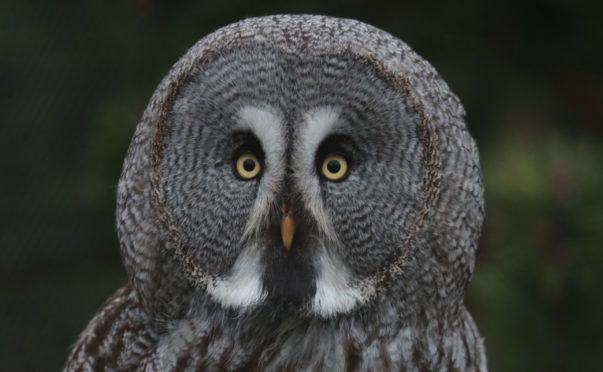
(76, 76)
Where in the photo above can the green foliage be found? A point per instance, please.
(536, 289)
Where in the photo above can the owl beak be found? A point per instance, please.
(287, 225)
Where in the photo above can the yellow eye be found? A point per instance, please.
(334, 167)
(247, 166)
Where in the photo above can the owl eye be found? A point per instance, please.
(334, 167)
(247, 165)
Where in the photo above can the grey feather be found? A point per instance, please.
(378, 270)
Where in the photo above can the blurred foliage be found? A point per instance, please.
(76, 76)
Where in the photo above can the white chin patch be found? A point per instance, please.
(334, 294)
(243, 286)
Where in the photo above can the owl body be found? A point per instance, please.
(300, 194)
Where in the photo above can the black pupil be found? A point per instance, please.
(249, 165)
(333, 166)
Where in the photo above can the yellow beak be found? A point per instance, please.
(287, 225)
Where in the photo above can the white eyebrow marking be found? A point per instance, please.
(319, 123)
(266, 124)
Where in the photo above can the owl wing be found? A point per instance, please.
(117, 338)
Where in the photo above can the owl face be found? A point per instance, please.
(290, 180)
(300, 193)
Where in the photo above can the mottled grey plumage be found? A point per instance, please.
(380, 262)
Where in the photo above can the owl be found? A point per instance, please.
(301, 194)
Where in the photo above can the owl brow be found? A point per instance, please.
(336, 143)
(245, 140)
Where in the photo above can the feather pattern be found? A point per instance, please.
(380, 262)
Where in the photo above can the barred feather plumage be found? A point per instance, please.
(377, 271)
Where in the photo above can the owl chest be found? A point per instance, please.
(205, 346)
(309, 347)
(213, 346)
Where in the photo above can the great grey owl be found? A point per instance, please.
(301, 194)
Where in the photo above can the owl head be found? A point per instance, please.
(311, 162)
